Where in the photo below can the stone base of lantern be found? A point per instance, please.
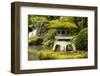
(63, 45)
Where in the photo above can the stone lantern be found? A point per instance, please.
(62, 37)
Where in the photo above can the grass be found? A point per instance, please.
(49, 55)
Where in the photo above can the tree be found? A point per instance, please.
(81, 22)
(81, 40)
(35, 21)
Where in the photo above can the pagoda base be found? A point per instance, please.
(63, 46)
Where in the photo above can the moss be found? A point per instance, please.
(61, 24)
(47, 55)
(44, 55)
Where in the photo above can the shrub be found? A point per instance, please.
(54, 24)
(81, 40)
(48, 55)
(44, 54)
(49, 39)
(34, 40)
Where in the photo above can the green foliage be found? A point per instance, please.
(32, 40)
(49, 54)
(68, 19)
(41, 23)
(81, 22)
(34, 21)
(44, 54)
(52, 17)
(81, 40)
(48, 44)
(49, 38)
(54, 24)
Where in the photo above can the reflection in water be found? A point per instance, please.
(32, 52)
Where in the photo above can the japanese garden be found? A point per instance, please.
(57, 37)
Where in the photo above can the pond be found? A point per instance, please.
(32, 52)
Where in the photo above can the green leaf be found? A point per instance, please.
(55, 24)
